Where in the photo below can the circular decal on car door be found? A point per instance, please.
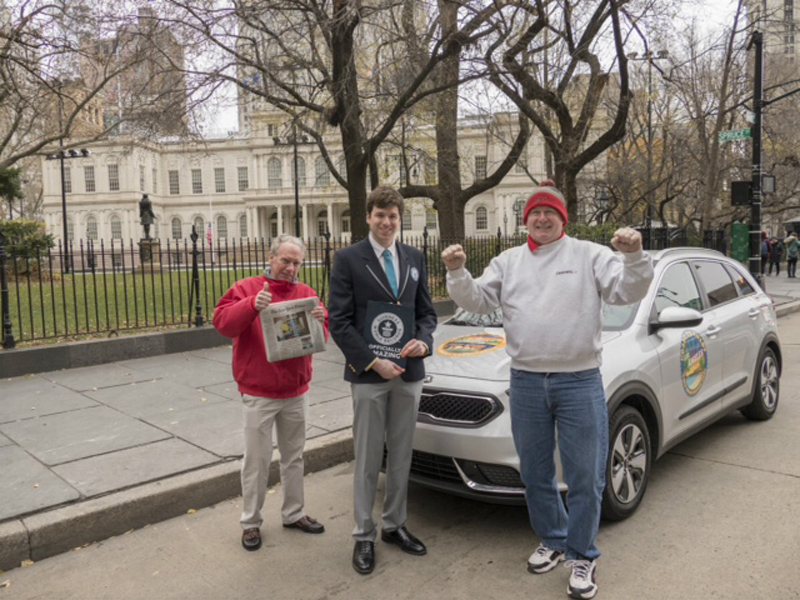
(470, 345)
(694, 362)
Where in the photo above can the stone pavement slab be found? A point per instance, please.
(228, 390)
(186, 369)
(28, 485)
(27, 397)
(216, 428)
(95, 377)
(334, 415)
(153, 397)
(133, 466)
(4, 441)
(64, 437)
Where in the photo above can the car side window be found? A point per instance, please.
(678, 288)
(741, 281)
(717, 282)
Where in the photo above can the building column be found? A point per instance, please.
(304, 230)
(280, 219)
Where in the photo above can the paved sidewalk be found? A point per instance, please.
(93, 452)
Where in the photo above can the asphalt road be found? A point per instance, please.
(721, 519)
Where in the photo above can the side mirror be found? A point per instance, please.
(676, 316)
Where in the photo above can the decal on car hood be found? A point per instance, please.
(473, 344)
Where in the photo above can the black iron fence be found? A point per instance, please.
(106, 288)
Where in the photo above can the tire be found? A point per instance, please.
(627, 465)
(766, 391)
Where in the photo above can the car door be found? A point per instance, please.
(690, 359)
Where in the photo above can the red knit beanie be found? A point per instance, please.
(546, 195)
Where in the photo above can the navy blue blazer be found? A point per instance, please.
(358, 277)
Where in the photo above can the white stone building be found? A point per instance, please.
(245, 187)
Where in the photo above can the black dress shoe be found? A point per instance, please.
(406, 541)
(306, 524)
(251, 539)
(364, 557)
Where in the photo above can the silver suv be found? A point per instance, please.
(702, 343)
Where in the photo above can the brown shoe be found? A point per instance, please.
(306, 524)
(251, 538)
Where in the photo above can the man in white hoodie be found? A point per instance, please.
(551, 291)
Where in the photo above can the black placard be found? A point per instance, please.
(387, 328)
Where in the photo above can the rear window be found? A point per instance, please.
(716, 281)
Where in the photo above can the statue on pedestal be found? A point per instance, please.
(146, 215)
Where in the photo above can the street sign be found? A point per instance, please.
(734, 135)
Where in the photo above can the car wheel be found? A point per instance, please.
(767, 388)
(627, 465)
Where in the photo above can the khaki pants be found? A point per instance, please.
(288, 418)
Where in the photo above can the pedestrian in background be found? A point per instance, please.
(386, 396)
(792, 253)
(765, 248)
(273, 393)
(555, 353)
(775, 255)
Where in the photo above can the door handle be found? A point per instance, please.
(753, 313)
(713, 330)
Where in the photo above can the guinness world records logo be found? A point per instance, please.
(694, 362)
(387, 329)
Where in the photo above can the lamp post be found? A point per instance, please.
(649, 57)
(61, 156)
(294, 140)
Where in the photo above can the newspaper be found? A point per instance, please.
(290, 330)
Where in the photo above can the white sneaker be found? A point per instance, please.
(544, 559)
(582, 584)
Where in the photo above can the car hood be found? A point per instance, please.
(474, 352)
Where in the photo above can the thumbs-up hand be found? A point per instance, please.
(263, 298)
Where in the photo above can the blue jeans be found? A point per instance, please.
(576, 404)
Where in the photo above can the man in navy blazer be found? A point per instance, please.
(385, 395)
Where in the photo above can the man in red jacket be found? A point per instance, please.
(272, 392)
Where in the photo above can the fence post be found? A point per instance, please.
(198, 319)
(326, 265)
(498, 243)
(8, 334)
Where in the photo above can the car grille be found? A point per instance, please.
(457, 410)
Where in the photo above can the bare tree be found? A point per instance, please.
(552, 70)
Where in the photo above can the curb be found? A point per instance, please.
(56, 531)
(787, 308)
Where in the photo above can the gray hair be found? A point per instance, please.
(285, 238)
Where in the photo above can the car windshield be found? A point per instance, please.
(615, 318)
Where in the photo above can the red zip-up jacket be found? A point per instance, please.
(236, 317)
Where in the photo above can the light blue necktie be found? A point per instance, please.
(388, 266)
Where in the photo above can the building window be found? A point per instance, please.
(481, 219)
(116, 228)
(408, 222)
(244, 180)
(342, 166)
(88, 177)
(519, 209)
(521, 166)
(222, 228)
(346, 221)
(322, 222)
(91, 228)
(430, 218)
(219, 180)
(480, 167)
(322, 177)
(141, 178)
(243, 226)
(70, 230)
(197, 181)
(177, 228)
(174, 183)
(273, 225)
(301, 172)
(67, 180)
(274, 173)
(198, 226)
(155, 180)
(113, 178)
